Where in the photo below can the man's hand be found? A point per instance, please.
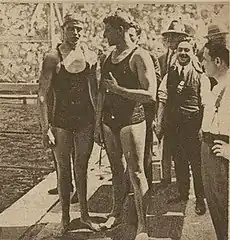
(221, 149)
(111, 84)
(45, 140)
(48, 139)
(98, 138)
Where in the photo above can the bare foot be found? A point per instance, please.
(111, 222)
(62, 228)
(93, 226)
(142, 236)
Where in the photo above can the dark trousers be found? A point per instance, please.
(186, 150)
(166, 159)
(215, 177)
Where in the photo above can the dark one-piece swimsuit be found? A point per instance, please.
(118, 111)
(73, 109)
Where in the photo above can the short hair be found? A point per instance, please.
(119, 19)
(137, 28)
(218, 50)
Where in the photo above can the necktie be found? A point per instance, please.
(182, 74)
(182, 81)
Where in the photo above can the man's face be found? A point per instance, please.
(184, 53)
(112, 34)
(72, 32)
(172, 40)
(208, 63)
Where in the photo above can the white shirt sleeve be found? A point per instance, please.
(162, 91)
(205, 89)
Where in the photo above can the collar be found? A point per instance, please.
(186, 68)
(225, 81)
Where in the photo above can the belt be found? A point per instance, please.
(209, 138)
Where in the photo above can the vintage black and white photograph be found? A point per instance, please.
(114, 120)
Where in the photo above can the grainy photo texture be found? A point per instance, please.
(114, 120)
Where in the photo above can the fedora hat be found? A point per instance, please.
(215, 30)
(176, 27)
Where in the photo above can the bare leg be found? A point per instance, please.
(74, 197)
(118, 166)
(62, 151)
(83, 143)
(133, 145)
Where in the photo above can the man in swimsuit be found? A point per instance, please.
(71, 77)
(128, 81)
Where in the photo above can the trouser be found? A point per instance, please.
(186, 150)
(166, 159)
(215, 176)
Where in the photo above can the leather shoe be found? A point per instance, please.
(54, 191)
(200, 207)
(178, 199)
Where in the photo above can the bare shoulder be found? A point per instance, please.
(141, 53)
(50, 62)
(51, 57)
(141, 58)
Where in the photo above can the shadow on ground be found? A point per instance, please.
(164, 220)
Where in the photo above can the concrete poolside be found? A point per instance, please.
(37, 214)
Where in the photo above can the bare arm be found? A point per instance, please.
(162, 96)
(141, 63)
(93, 88)
(48, 67)
(98, 136)
(100, 103)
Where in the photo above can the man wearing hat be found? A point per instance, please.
(175, 33)
(182, 94)
(216, 35)
(69, 73)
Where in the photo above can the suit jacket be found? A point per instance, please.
(163, 64)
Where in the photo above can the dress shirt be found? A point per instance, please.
(218, 122)
(204, 85)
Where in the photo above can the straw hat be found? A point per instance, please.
(176, 27)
